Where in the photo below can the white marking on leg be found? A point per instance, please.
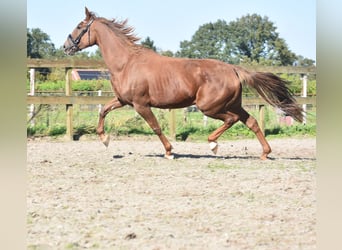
(106, 140)
(213, 146)
(169, 157)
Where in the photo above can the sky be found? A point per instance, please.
(169, 22)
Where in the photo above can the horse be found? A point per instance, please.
(143, 79)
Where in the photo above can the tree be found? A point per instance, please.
(59, 53)
(249, 39)
(304, 62)
(148, 43)
(211, 40)
(168, 53)
(29, 41)
(252, 37)
(39, 44)
(97, 54)
(281, 53)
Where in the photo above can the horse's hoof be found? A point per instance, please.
(213, 146)
(263, 157)
(169, 157)
(106, 140)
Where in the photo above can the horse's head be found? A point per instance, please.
(82, 36)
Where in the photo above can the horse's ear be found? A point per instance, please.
(88, 14)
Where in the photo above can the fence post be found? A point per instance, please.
(262, 118)
(99, 93)
(32, 88)
(173, 123)
(205, 120)
(304, 94)
(69, 107)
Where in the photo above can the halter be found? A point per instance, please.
(76, 42)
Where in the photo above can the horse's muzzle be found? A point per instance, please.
(70, 49)
(71, 46)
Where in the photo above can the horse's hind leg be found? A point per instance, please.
(252, 124)
(228, 120)
(113, 104)
(231, 118)
(149, 117)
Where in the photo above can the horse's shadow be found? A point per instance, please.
(118, 156)
(232, 157)
(209, 156)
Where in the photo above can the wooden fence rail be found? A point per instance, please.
(99, 64)
(69, 100)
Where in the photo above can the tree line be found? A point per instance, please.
(251, 39)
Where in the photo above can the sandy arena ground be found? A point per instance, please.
(84, 196)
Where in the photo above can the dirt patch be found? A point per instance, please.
(84, 196)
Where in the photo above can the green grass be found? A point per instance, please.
(51, 120)
(193, 129)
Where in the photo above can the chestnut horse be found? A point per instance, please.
(143, 79)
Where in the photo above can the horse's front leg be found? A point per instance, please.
(113, 104)
(147, 114)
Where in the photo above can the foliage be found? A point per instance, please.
(149, 43)
(56, 129)
(201, 132)
(296, 85)
(81, 85)
(304, 62)
(248, 39)
(253, 37)
(93, 85)
(84, 129)
(135, 124)
(36, 130)
(97, 54)
(285, 131)
(168, 53)
(39, 44)
(57, 74)
(50, 86)
(59, 54)
(240, 131)
(209, 41)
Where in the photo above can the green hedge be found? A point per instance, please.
(82, 85)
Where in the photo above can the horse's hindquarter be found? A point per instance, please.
(221, 89)
(178, 83)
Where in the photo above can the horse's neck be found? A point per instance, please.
(113, 51)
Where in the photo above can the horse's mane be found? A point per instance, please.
(119, 27)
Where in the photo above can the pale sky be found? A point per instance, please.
(168, 22)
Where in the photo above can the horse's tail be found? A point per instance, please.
(273, 89)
